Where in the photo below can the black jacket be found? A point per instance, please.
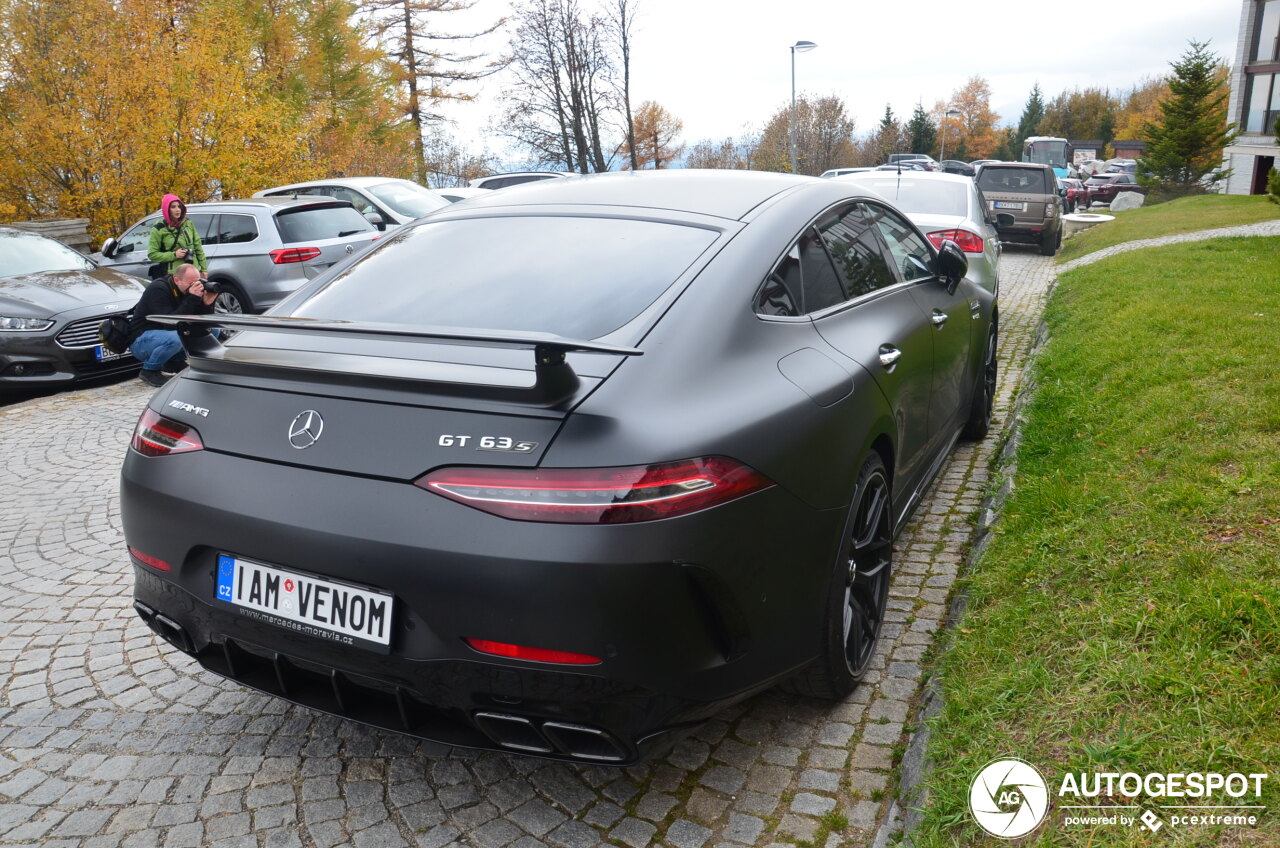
(162, 297)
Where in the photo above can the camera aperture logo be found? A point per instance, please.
(1008, 798)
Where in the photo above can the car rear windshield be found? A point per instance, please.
(408, 199)
(1101, 180)
(572, 276)
(926, 197)
(1016, 180)
(28, 253)
(320, 223)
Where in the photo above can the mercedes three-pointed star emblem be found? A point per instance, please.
(305, 429)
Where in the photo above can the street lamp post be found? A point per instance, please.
(942, 150)
(798, 47)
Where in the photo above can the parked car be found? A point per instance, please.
(1030, 193)
(978, 162)
(903, 165)
(930, 164)
(1121, 166)
(840, 172)
(567, 497)
(1078, 194)
(519, 178)
(955, 166)
(385, 202)
(945, 207)
(259, 250)
(52, 299)
(1103, 188)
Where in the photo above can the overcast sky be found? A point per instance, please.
(720, 66)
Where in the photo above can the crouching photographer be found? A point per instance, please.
(157, 346)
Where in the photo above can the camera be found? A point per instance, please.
(211, 286)
(190, 258)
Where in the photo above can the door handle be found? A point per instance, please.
(889, 356)
(938, 318)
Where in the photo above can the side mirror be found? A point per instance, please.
(1004, 219)
(376, 219)
(109, 248)
(950, 265)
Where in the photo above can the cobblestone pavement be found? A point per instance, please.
(1265, 228)
(108, 737)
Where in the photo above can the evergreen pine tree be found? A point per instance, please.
(1032, 115)
(922, 131)
(1187, 142)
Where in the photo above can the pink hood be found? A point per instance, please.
(164, 208)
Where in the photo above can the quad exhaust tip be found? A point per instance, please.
(578, 741)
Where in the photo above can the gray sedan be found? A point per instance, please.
(944, 206)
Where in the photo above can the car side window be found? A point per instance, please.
(911, 255)
(858, 255)
(234, 229)
(803, 281)
(135, 241)
(203, 222)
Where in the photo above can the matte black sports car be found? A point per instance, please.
(51, 302)
(566, 470)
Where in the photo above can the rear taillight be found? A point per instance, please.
(965, 240)
(598, 495)
(148, 559)
(156, 435)
(285, 255)
(521, 652)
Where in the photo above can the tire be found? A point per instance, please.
(232, 300)
(859, 590)
(978, 423)
(1049, 244)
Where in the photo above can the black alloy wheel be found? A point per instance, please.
(984, 393)
(859, 590)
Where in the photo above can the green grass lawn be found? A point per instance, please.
(1184, 215)
(1126, 616)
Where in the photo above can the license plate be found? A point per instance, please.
(105, 355)
(326, 609)
(1009, 204)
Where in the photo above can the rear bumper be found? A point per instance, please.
(687, 615)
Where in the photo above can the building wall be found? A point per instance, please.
(1241, 162)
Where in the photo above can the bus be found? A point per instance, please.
(1049, 150)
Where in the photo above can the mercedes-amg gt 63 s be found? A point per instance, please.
(568, 469)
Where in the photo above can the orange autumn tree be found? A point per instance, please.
(167, 96)
(972, 133)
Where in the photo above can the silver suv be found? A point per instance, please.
(259, 250)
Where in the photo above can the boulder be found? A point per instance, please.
(1127, 200)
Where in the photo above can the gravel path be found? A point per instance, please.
(1265, 228)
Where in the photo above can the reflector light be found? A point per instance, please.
(520, 652)
(285, 255)
(965, 240)
(148, 559)
(156, 435)
(598, 495)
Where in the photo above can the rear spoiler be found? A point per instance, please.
(554, 378)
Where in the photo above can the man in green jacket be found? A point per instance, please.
(174, 240)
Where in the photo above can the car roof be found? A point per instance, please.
(721, 193)
(359, 182)
(267, 203)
